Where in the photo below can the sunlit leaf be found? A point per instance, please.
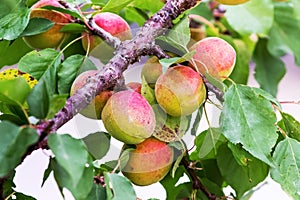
(36, 26)
(287, 164)
(73, 167)
(14, 91)
(114, 181)
(115, 5)
(14, 23)
(284, 33)
(242, 121)
(292, 126)
(13, 145)
(255, 16)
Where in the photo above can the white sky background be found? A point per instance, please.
(29, 175)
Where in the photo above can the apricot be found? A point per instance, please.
(151, 70)
(52, 38)
(214, 56)
(232, 2)
(110, 22)
(128, 117)
(180, 91)
(135, 86)
(94, 109)
(149, 163)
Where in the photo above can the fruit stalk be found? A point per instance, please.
(196, 181)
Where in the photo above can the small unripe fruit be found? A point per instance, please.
(152, 70)
(110, 22)
(214, 56)
(128, 117)
(94, 109)
(52, 38)
(149, 163)
(180, 91)
(232, 2)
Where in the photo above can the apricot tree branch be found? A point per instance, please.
(128, 52)
(196, 181)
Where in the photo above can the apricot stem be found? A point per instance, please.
(197, 184)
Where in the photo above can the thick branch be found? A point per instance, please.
(127, 53)
(196, 181)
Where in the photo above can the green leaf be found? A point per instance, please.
(135, 15)
(72, 12)
(115, 5)
(36, 63)
(57, 102)
(13, 145)
(240, 72)
(69, 69)
(269, 69)
(169, 181)
(147, 92)
(287, 164)
(73, 163)
(197, 121)
(167, 62)
(12, 51)
(267, 96)
(6, 6)
(283, 37)
(207, 144)
(70, 153)
(296, 6)
(97, 193)
(23, 196)
(149, 5)
(248, 118)
(39, 100)
(114, 181)
(14, 91)
(292, 126)
(240, 177)
(14, 113)
(13, 24)
(73, 28)
(98, 144)
(179, 36)
(36, 26)
(255, 16)
(80, 189)
(203, 9)
(211, 171)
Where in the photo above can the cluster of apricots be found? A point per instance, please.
(126, 114)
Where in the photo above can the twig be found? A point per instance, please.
(2, 181)
(111, 40)
(196, 181)
(219, 94)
